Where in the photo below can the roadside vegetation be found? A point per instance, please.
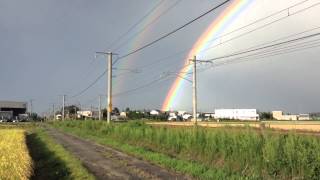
(15, 162)
(51, 160)
(211, 153)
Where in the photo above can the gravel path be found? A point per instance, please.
(107, 163)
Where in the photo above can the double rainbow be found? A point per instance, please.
(218, 26)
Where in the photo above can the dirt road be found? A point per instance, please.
(108, 163)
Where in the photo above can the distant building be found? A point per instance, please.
(304, 117)
(278, 115)
(181, 113)
(87, 114)
(58, 116)
(208, 115)
(239, 114)
(12, 109)
(123, 114)
(155, 112)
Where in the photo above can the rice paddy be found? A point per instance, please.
(15, 162)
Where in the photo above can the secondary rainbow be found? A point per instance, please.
(137, 37)
(223, 21)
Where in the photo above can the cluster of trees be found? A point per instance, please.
(144, 114)
(265, 115)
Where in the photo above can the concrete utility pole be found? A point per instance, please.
(53, 113)
(31, 100)
(109, 82)
(109, 87)
(99, 107)
(75, 112)
(63, 104)
(194, 87)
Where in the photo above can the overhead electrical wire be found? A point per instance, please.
(153, 42)
(236, 30)
(260, 27)
(147, 25)
(135, 25)
(139, 87)
(297, 48)
(264, 47)
(263, 26)
(90, 85)
(173, 31)
(121, 57)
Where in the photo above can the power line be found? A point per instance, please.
(276, 40)
(264, 47)
(153, 42)
(217, 37)
(229, 62)
(140, 87)
(135, 24)
(263, 26)
(172, 32)
(236, 30)
(90, 85)
(147, 25)
(270, 53)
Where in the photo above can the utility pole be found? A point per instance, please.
(75, 112)
(63, 104)
(109, 88)
(53, 113)
(109, 82)
(99, 107)
(31, 100)
(194, 87)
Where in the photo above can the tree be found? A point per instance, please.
(104, 113)
(265, 115)
(116, 111)
(71, 110)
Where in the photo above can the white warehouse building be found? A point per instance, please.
(240, 114)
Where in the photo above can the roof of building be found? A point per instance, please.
(12, 104)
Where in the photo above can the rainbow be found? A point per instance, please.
(223, 21)
(139, 35)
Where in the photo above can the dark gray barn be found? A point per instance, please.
(15, 107)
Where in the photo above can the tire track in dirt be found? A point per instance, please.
(107, 163)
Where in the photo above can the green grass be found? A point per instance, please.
(51, 160)
(211, 153)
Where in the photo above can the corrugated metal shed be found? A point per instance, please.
(13, 104)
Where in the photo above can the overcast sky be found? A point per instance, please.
(47, 49)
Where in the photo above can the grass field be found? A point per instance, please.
(15, 162)
(211, 153)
